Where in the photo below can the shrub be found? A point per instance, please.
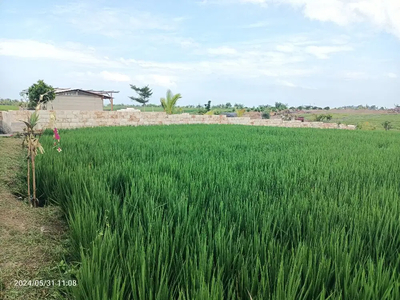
(202, 111)
(322, 117)
(217, 112)
(240, 112)
(365, 126)
(266, 115)
(319, 118)
(387, 125)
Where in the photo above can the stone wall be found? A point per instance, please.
(10, 121)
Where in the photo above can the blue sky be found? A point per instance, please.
(325, 53)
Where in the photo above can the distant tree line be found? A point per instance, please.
(42, 92)
(13, 102)
(369, 107)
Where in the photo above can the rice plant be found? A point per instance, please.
(229, 212)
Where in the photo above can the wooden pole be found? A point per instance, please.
(33, 179)
(112, 102)
(29, 175)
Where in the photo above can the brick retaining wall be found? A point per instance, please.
(10, 121)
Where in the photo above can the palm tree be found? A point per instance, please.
(169, 102)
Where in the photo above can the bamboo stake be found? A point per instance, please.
(34, 180)
(29, 181)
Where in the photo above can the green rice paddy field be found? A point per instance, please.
(228, 212)
(8, 107)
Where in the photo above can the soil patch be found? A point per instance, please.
(31, 240)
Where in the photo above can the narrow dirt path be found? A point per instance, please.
(30, 239)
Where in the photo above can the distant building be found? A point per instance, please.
(78, 99)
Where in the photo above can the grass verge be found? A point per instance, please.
(32, 241)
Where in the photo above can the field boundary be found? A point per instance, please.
(32, 241)
(10, 121)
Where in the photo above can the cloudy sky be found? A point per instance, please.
(320, 52)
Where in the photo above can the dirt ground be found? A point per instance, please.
(31, 240)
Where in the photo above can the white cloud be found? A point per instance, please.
(222, 51)
(355, 75)
(286, 83)
(38, 50)
(112, 76)
(245, 60)
(261, 2)
(382, 14)
(164, 81)
(113, 22)
(256, 25)
(292, 85)
(156, 65)
(157, 80)
(285, 48)
(392, 75)
(323, 52)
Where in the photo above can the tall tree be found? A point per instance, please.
(208, 105)
(144, 94)
(169, 102)
(40, 91)
(280, 106)
(238, 106)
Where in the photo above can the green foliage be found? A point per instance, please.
(240, 112)
(10, 102)
(327, 108)
(201, 111)
(366, 126)
(266, 115)
(322, 117)
(217, 112)
(8, 107)
(228, 105)
(238, 106)
(143, 92)
(224, 212)
(207, 106)
(40, 90)
(169, 102)
(374, 118)
(319, 118)
(32, 121)
(280, 106)
(387, 125)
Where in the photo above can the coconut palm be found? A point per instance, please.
(169, 102)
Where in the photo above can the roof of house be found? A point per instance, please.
(103, 94)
